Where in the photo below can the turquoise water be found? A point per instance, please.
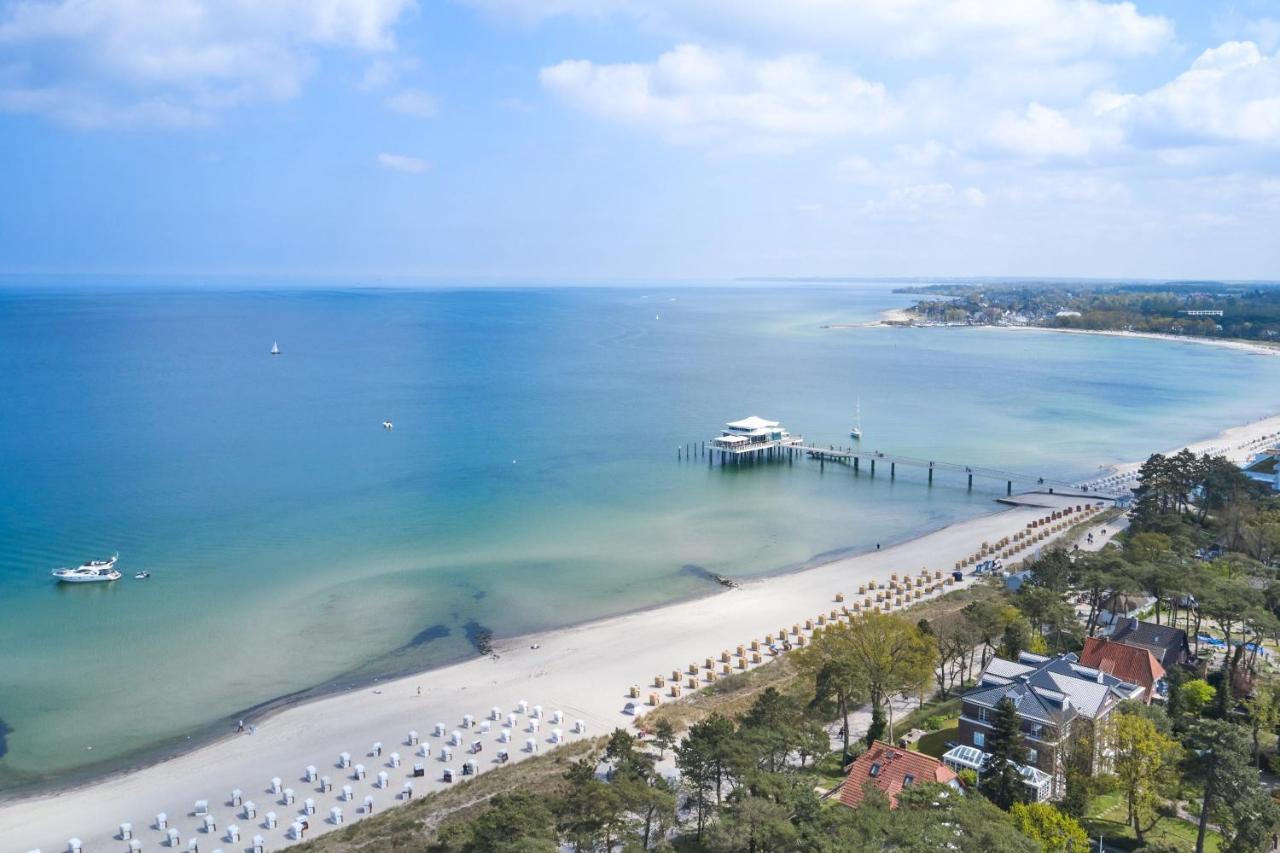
(531, 480)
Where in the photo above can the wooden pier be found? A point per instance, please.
(756, 440)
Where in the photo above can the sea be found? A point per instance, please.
(536, 475)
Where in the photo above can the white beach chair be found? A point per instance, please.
(522, 707)
(193, 845)
(438, 730)
(259, 843)
(75, 845)
(308, 806)
(412, 739)
(383, 779)
(495, 713)
(173, 837)
(201, 808)
(344, 760)
(233, 833)
(537, 711)
(310, 773)
(250, 810)
(126, 831)
(407, 791)
(295, 831)
(210, 824)
(289, 797)
(395, 760)
(270, 820)
(347, 794)
(455, 738)
(335, 816)
(531, 745)
(359, 772)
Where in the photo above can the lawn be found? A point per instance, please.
(935, 743)
(1107, 818)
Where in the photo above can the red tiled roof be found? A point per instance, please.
(893, 766)
(1132, 663)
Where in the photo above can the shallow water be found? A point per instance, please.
(531, 479)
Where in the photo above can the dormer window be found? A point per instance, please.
(907, 780)
(874, 771)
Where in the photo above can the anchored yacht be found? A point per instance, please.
(94, 571)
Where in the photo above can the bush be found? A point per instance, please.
(934, 723)
(1106, 783)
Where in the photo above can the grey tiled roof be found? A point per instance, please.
(1050, 690)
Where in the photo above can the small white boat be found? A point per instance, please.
(856, 432)
(388, 425)
(94, 571)
(141, 576)
(275, 348)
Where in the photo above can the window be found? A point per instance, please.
(1032, 755)
(1036, 730)
(979, 740)
(984, 715)
(875, 771)
(907, 780)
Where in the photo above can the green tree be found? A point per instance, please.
(1195, 695)
(1000, 780)
(705, 758)
(1055, 831)
(1233, 797)
(1263, 708)
(664, 736)
(1015, 639)
(1143, 760)
(512, 823)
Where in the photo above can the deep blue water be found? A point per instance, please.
(530, 481)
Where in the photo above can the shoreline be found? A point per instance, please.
(899, 317)
(584, 668)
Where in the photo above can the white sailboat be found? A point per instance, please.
(275, 348)
(856, 432)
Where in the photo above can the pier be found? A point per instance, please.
(755, 440)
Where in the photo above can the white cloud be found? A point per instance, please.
(103, 61)
(719, 96)
(1028, 29)
(1230, 93)
(1042, 133)
(403, 163)
(414, 103)
(924, 200)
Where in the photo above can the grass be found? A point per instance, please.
(935, 743)
(1107, 815)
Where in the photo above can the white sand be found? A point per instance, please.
(584, 671)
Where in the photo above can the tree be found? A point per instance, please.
(1143, 758)
(1195, 695)
(1077, 771)
(704, 759)
(664, 736)
(755, 825)
(878, 655)
(1015, 639)
(512, 823)
(1001, 781)
(1263, 708)
(590, 814)
(836, 680)
(956, 636)
(1233, 797)
(1055, 831)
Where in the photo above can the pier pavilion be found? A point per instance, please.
(753, 439)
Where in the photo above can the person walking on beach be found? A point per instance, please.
(240, 728)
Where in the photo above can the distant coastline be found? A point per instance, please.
(899, 317)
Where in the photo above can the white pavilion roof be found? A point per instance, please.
(752, 423)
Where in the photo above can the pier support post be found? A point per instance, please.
(971, 482)
(931, 475)
(855, 464)
(1008, 488)
(893, 466)
(873, 467)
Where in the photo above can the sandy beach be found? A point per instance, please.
(583, 672)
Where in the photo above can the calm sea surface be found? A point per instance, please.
(531, 479)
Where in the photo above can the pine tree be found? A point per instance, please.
(1001, 780)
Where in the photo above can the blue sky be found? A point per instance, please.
(585, 140)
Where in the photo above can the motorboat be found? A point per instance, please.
(141, 576)
(94, 571)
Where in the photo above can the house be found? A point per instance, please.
(1134, 664)
(1057, 699)
(1168, 644)
(891, 769)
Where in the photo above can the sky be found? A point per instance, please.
(618, 140)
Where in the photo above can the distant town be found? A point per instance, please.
(1201, 309)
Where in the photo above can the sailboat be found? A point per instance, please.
(275, 348)
(856, 432)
